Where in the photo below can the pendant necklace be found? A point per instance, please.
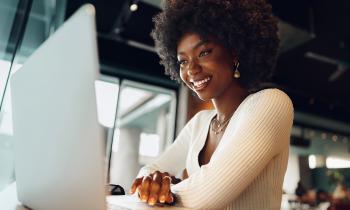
(217, 126)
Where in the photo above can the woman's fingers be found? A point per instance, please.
(165, 174)
(170, 199)
(165, 189)
(174, 180)
(154, 188)
(139, 191)
(165, 195)
(145, 185)
(135, 184)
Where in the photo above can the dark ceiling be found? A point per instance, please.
(313, 66)
(316, 73)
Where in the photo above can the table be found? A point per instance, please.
(134, 203)
(9, 201)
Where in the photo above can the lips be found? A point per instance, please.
(200, 84)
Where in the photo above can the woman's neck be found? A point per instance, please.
(227, 103)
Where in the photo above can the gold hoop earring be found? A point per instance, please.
(237, 74)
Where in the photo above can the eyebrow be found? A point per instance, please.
(200, 43)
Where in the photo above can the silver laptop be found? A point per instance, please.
(58, 141)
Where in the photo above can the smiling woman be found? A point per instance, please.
(246, 28)
(203, 63)
(235, 155)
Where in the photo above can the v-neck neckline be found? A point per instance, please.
(205, 131)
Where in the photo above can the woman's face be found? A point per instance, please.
(206, 66)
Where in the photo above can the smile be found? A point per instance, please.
(201, 84)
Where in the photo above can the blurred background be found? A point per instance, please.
(142, 110)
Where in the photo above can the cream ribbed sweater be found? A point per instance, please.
(246, 170)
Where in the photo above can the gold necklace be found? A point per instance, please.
(218, 127)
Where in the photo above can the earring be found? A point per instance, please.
(237, 74)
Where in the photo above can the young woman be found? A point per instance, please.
(235, 155)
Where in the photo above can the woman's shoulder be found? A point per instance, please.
(270, 100)
(271, 92)
(271, 108)
(271, 96)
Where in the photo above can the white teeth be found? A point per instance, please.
(198, 83)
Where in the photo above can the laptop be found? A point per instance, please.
(59, 146)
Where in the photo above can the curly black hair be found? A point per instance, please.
(246, 26)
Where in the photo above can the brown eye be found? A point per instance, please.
(204, 53)
(182, 63)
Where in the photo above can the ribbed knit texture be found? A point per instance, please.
(246, 170)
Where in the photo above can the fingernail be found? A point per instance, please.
(162, 199)
(151, 201)
(144, 198)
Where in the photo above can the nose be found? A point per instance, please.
(193, 68)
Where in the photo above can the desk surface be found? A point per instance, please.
(134, 203)
(9, 201)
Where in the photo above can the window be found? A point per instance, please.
(8, 11)
(107, 96)
(149, 145)
(144, 127)
(45, 17)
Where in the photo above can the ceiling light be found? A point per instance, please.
(312, 161)
(333, 162)
(133, 7)
(316, 161)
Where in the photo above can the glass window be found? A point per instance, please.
(106, 98)
(8, 10)
(7, 16)
(44, 18)
(144, 127)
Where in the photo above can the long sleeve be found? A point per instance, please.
(173, 159)
(261, 132)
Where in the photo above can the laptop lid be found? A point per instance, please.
(59, 159)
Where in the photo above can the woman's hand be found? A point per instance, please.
(155, 188)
